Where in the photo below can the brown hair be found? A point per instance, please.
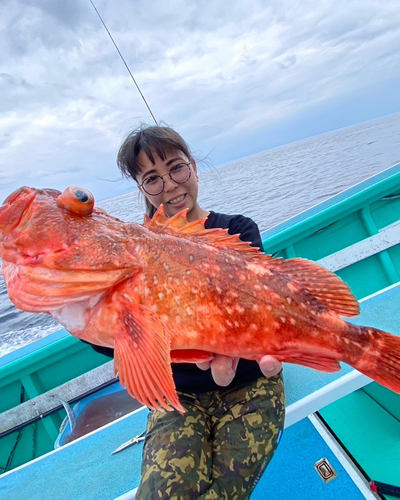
(152, 140)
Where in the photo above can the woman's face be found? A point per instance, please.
(175, 197)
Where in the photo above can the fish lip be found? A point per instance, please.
(175, 197)
(6, 222)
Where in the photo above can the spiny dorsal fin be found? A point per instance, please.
(328, 288)
(217, 237)
(177, 223)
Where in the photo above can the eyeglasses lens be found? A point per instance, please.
(154, 184)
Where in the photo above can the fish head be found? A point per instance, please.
(35, 222)
(61, 241)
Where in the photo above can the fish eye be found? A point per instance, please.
(82, 195)
(77, 200)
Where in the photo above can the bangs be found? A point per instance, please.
(153, 141)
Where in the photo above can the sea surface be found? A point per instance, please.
(269, 187)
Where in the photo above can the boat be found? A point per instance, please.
(342, 430)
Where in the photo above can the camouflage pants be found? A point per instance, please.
(218, 449)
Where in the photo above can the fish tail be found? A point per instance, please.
(380, 359)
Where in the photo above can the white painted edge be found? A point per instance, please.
(326, 395)
(379, 292)
(74, 442)
(355, 475)
(384, 239)
(129, 495)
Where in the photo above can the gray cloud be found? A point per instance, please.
(215, 73)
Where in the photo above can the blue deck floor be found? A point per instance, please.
(86, 469)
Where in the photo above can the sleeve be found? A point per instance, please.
(247, 229)
(107, 351)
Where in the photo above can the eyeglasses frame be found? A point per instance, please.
(188, 164)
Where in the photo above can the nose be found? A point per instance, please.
(169, 184)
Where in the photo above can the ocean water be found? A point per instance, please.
(269, 187)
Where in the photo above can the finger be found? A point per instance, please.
(270, 366)
(222, 370)
(205, 365)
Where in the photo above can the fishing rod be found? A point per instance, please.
(123, 60)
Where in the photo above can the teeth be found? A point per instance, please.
(177, 200)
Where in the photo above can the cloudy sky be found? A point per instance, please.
(234, 78)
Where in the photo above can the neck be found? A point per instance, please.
(197, 213)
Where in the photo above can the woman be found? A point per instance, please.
(234, 415)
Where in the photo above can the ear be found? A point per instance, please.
(194, 165)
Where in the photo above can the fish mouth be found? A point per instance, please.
(14, 207)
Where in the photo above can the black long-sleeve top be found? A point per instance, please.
(187, 377)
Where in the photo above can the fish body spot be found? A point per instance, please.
(161, 296)
(293, 321)
(155, 280)
(189, 311)
(177, 299)
(289, 300)
(194, 291)
(283, 319)
(147, 291)
(191, 258)
(154, 308)
(166, 266)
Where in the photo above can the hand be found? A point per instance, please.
(223, 368)
(270, 366)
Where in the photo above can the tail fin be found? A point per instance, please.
(381, 360)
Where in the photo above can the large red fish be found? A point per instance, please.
(172, 291)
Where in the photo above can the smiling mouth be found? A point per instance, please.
(177, 200)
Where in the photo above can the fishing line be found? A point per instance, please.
(123, 60)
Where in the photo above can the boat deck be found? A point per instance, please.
(85, 469)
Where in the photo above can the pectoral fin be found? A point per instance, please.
(142, 357)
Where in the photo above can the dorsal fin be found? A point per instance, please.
(179, 224)
(326, 286)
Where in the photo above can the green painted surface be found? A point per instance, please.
(385, 398)
(369, 432)
(34, 374)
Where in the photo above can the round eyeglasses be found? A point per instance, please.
(155, 184)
